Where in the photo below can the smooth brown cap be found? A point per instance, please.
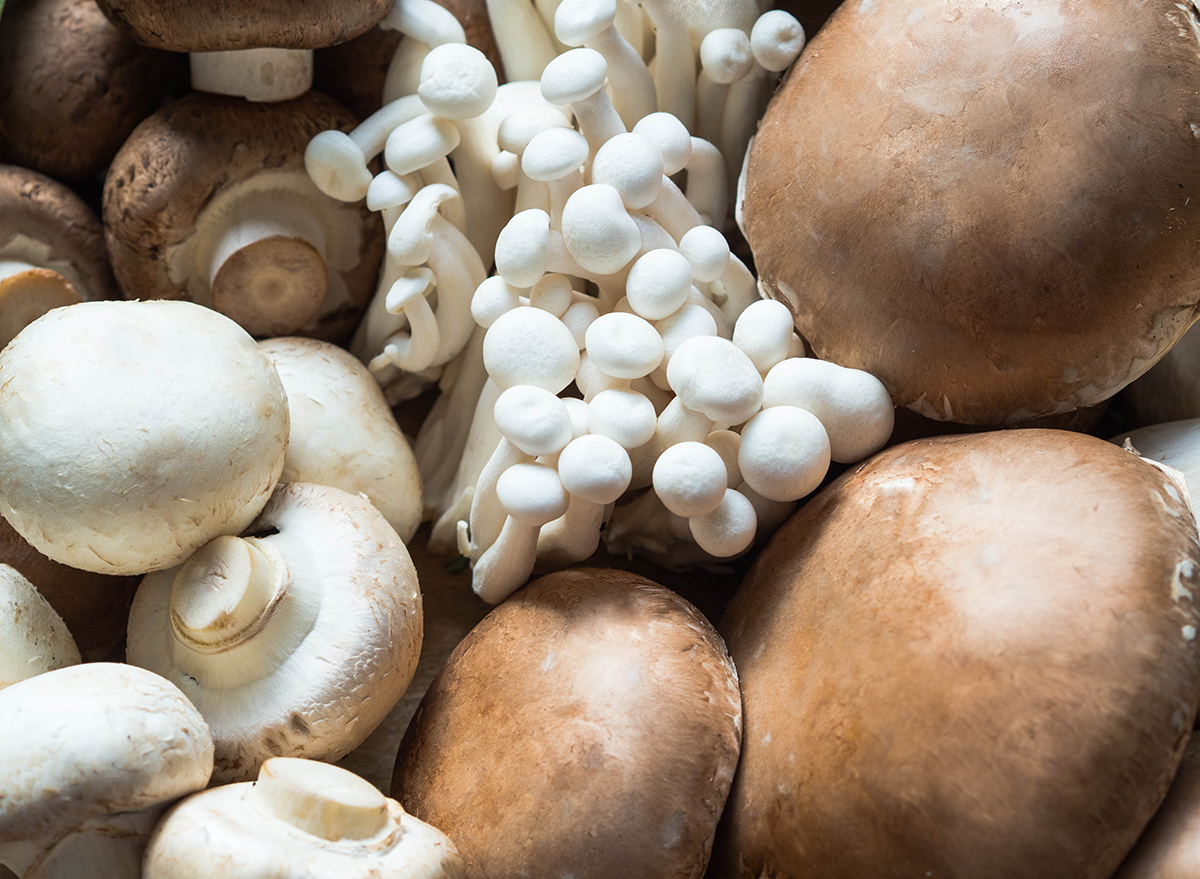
(33, 205)
(987, 205)
(72, 86)
(183, 156)
(970, 656)
(1170, 847)
(222, 25)
(588, 726)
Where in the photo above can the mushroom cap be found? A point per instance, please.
(222, 25)
(1170, 846)
(1001, 235)
(73, 86)
(970, 655)
(33, 638)
(195, 150)
(92, 740)
(135, 432)
(248, 829)
(343, 432)
(351, 581)
(32, 206)
(589, 725)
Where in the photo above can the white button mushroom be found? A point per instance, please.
(622, 415)
(690, 479)
(135, 432)
(296, 642)
(92, 755)
(764, 332)
(534, 420)
(577, 78)
(300, 818)
(624, 346)
(659, 283)
(728, 528)
(784, 453)
(531, 347)
(632, 164)
(33, 638)
(597, 231)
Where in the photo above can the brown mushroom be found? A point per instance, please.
(589, 726)
(970, 656)
(72, 86)
(990, 210)
(51, 250)
(265, 55)
(1170, 847)
(209, 201)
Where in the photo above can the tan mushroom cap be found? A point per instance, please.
(971, 655)
(999, 233)
(187, 156)
(73, 86)
(588, 726)
(221, 25)
(1170, 847)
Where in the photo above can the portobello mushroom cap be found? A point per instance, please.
(990, 206)
(971, 656)
(1170, 847)
(588, 726)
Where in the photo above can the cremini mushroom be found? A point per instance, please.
(295, 640)
(299, 817)
(209, 201)
(33, 638)
(51, 250)
(1170, 846)
(92, 755)
(342, 431)
(135, 432)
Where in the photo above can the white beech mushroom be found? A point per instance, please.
(295, 640)
(33, 638)
(135, 432)
(51, 250)
(342, 432)
(92, 755)
(263, 57)
(299, 818)
(209, 201)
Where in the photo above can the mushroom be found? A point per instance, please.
(996, 631)
(1168, 847)
(33, 638)
(300, 816)
(209, 201)
(265, 57)
(135, 432)
(295, 640)
(342, 432)
(589, 726)
(73, 86)
(51, 250)
(93, 755)
(979, 289)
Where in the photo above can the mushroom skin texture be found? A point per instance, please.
(1170, 847)
(327, 655)
(588, 725)
(84, 748)
(135, 432)
(33, 638)
(343, 432)
(999, 235)
(179, 182)
(48, 227)
(73, 86)
(970, 656)
(301, 818)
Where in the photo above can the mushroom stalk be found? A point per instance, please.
(523, 39)
(26, 293)
(265, 74)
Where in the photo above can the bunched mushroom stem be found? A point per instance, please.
(265, 74)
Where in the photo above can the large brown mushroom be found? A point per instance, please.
(72, 86)
(51, 250)
(209, 201)
(987, 205)
(971, 656)
(589, 726)
(1170, 847)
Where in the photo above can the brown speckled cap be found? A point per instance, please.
(222, 25)
(991, 210)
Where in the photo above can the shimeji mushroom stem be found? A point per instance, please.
(265, 74)
(522, 37)
(674, 71)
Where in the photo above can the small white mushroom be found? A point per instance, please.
(725, 57)
(528, 346)
(784, 453)
(92, 755)
(689, 479)
(776, 39)
(513, 136)
(553, 293)
(659, 283)
(707, 250)
(492, 298)
(712, 376)
(728, 528)
(33, 638)
(337, 162)
(592, 23)
(523, 248)
(598, 232)
(577, 78)
(633, 165)
(764, 332)
(556, 157)
(622, 415)
(297, 642)
(299, 818)
(624, 346)
(671, 136)
(534, 420)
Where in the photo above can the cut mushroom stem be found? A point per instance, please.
(263, 74)
(26, 293)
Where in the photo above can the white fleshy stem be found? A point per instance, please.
(457, 271)
(735, 289)
(487, 517)
(674, 69)
(648, 528)
(455, 209)
(265, 74)
(525, 42)
(741, 112)
(572, 537)
(337, 162)
(425, 24)
(672, 210)
(507, 563)
(708, 183)
(631, 24)
(676, 424)
(412, 349)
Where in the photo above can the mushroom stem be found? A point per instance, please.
(522, 37)
(26, 293)
(320, 799)
(674, 70)
(265, 74)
